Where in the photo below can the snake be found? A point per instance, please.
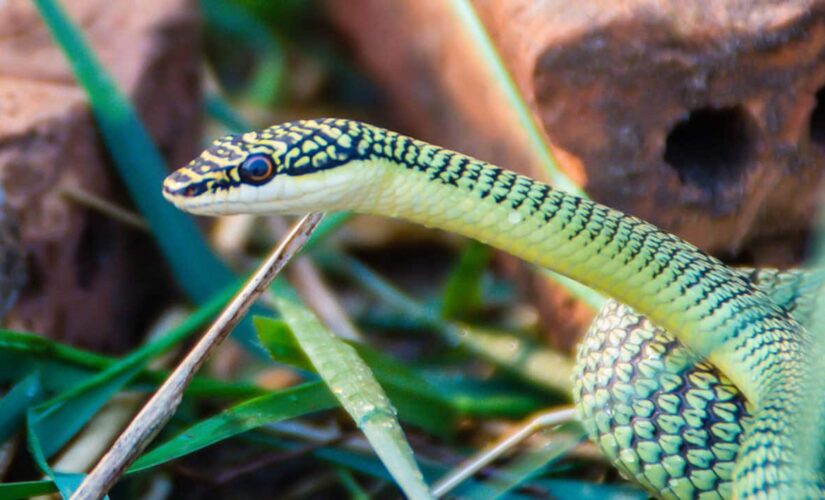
(690, 381)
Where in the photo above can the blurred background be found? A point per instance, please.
(703, 118)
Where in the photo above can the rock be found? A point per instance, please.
(91, 280)
(698, 116)
(702, 117)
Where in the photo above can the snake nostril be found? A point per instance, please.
(180, 177)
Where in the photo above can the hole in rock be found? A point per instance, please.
(711, 147)
(817, 125)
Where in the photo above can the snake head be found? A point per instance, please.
(287, 169)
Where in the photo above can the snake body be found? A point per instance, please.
(670, 422)
(714, 312)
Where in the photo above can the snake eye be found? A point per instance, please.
(257, 169)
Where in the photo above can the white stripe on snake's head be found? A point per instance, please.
(291, 168)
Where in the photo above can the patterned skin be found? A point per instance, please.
(666, 420)
(713, 310)
(670, 423)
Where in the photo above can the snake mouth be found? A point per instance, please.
(211, 199)
(194, 197)
(206, 204)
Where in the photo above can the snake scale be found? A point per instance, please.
(666, 403)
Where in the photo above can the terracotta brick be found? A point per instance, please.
(91, 279)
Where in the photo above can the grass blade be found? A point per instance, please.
(281, 405)
(56, 421)
(26, 489)
(407, 390)
(66, 482)
(466, 14)
(351, 485)
(359, 393)
(462, 293)
(228, 18)
(67, 367)
(139, 162)
(16, 402)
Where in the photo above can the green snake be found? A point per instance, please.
(703, 309)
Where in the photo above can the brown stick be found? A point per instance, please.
(105, 207)
(165, 401)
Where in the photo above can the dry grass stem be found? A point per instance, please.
(105, 207)
(160, 408)
(477, 462)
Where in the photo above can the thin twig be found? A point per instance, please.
(106, 207)
(315, 293)
(165, 401)
(477, 462)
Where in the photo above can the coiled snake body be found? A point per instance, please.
(628, 368)
(666, 420)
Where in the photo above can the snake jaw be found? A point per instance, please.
(286, 195)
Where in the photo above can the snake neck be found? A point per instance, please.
(713, 309)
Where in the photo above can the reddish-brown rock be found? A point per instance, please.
(694, 115)
(90, 277)
(699, 116)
